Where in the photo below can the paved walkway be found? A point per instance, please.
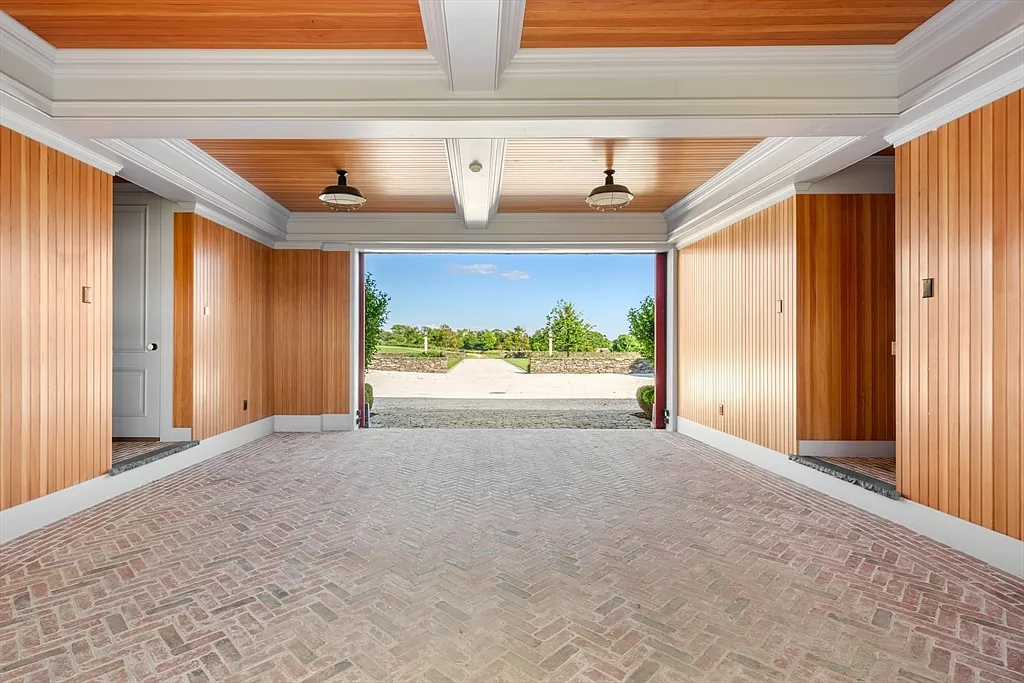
(394, 555)
(497, 413)
(491, 378)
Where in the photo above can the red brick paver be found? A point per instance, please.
(495, 556)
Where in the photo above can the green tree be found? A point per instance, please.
(569, 331)
(375, 303)
(539, 340)
(488, 340)
(596, 340)
(517, 340)
(626, 343)
(641, 326)
(471, 340)
(406, 335)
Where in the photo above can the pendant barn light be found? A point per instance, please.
(609, 197)
(342, 197)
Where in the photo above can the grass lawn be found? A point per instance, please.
(452, 362)
(522, 363)
(401, 350)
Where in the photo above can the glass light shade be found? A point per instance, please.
(342, 197)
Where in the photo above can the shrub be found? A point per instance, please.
(645, 397)
(368, 395)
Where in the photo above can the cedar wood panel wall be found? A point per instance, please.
(55, 351)
(959, 367)
(277, 333)
(223, 358)
(311, 332)
(734, 350)
(846, 318)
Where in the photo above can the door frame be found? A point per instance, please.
(666, 251)
(161, 212)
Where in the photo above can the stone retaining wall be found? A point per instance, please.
(586, 366)
(399, 363)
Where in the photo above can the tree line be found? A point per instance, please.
(568, 330)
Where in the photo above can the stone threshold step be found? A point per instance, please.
(862, 480)
(151, 456)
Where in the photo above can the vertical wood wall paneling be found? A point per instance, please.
(222, 333)
(960, 371)
(336, 287)
(734, 350)
(184, 318)
(298, 332)
(55, 351)
(846, 317)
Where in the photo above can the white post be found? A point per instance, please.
(551, 348)
(424, 340)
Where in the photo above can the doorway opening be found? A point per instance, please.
(143, 225)
(505, 341)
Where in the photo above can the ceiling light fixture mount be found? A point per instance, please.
(476, 167)
(342, 197)
(610, 196)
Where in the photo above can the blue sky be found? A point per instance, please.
(487, 291)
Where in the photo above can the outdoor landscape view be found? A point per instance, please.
(510, 340)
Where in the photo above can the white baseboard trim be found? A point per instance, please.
(298, 423)
(337, 422)
(847, 449)
(992, 547)
(179, 434)
(35, 514)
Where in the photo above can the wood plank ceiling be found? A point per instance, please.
(240, 24)
(396, 176)
(557, 175)
(702, 23)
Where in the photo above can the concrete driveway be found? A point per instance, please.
(494, 378)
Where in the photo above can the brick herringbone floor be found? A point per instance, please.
(495, 556)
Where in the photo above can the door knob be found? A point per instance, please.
(151, 346)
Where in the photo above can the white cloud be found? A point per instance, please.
(515, 275)
(472, 269)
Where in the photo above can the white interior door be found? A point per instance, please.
(136, 387)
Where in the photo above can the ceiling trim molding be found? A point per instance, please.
(794, 160)
(736, 215)
(436, 231)
(170, 169)
(225, 175)
(476, 194)
(211, 64)
(25, 119)
(990, 73)
(14, 36)
(473, 42)
(873, 175)
(947, 27)
(21, 92)
(749, 159)
(675, 62)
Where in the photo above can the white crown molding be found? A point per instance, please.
(728, 175)
(178, 172)
(736, 214)
(766, 178)
(675, 62)
(212, 64)
(16, 38)
(21, 92)
(956, 31)
(476, 194)
(435, 231)
(23, 118)
(473, 42)
(983, 77)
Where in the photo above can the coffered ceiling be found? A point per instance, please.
(240, 24)
(701, 23)
(544, 176)
(396, 176)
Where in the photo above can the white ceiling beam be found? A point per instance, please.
(473, 42)
(475, 166)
